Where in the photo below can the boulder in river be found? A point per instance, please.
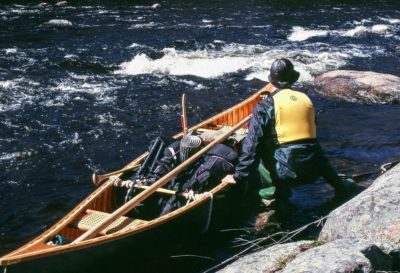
(359, 86)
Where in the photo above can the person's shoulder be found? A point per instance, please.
(265, 104)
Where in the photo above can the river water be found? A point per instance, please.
(89, 95)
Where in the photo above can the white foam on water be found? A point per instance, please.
(108, 118)
(59, 23)
(17, 92)
(74, 139)
(311, 64)
(302, 34)
(362, 30)
(135, 45)
(143, 25)
(195, 85)
(11, 50)
(9, 156)
(197, 63)
(391, 20)
(81, 86)
(7, 84)
(357, 31)
(12, 182)
(380, 29)
(254, 60)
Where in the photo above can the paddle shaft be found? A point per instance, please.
(132, 184)
(96, 179)
(184, 116)
(162, 181)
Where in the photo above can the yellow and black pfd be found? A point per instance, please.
(293, 117)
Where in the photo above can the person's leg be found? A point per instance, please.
(343, 188)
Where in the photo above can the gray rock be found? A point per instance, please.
(359, 86)
(268, 260)
(59, 23)
(374, 214)
(340, 256)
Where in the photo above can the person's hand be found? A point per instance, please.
(229, 179)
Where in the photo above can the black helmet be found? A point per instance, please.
(282, 73)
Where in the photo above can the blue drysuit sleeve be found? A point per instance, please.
(249, 157)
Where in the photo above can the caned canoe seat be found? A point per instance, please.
(93, 217)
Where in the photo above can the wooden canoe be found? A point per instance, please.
(122, 234)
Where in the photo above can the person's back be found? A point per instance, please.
(294, 116)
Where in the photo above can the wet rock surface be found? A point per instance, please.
(359, 86)
(362, 235)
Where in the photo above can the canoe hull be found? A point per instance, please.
(125, 252)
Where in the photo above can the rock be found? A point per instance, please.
(363, 235)
(59, 23)
(355, 86)
(156, 6)
(373, 214)
(344, 255)
(268, 260)
(340, 256)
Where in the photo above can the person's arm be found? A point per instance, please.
(249, 157)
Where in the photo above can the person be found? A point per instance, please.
(282, 135)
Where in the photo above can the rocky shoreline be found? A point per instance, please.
(362, 235)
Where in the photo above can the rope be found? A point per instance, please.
(190, 196)
(207, 225)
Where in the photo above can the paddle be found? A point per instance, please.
(96, 179)
(159, 183)
(184, 116)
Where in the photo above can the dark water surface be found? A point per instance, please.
(89, 97)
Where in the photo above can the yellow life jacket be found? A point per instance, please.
(294, 116)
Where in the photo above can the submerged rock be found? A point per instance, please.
(359, 86)
(59, 23)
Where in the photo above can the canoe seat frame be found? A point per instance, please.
(93, 217)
